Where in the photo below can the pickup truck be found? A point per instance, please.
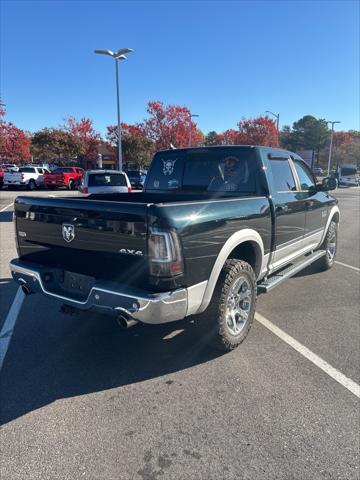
(30, 177)
(213, 227)
(69, 177)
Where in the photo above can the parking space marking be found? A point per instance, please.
(9, 324)
(339, 377)
(348, 266)
(10, 205)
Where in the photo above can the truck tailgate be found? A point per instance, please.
(91, 237)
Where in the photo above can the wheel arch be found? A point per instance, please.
(334, 214)
(245, 245)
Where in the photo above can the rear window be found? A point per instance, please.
(27, 170)
(222, 170)
(107, 180)
(63, 170)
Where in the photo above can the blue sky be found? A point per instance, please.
(224, 60)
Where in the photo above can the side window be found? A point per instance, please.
(283, 179)
(40, 170)
(305, 177)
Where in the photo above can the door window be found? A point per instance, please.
(305, 178)
(283, 179)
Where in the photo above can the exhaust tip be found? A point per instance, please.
(125, 322)
(26, 289)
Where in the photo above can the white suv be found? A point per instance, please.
(105, 181)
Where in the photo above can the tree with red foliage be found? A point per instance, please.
(84, 130)
(14, 144)
(136, 147)
(171, 125)
(258, 131)
(229, 137)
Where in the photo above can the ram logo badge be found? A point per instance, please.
(68, 232)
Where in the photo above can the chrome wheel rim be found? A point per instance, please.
(331, 247)
(238, 305)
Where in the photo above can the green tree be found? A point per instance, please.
(54, 144)
(212, 138)
(310, 133)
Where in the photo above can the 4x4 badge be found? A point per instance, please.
(68, 232)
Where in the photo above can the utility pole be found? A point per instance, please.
(331, 145)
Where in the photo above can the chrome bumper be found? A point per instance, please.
(153, 308)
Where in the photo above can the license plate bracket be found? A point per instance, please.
(76, 282)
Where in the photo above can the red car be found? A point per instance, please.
(69, 177)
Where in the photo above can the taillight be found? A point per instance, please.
(164, 251)
(22, 176)
(129, 190)
(84, 189)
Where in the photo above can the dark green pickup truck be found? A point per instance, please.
(212, 228)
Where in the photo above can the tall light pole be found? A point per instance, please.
(117, 56)
(277, 116)
(331, 145)
(190, 133)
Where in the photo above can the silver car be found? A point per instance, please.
(105, 181)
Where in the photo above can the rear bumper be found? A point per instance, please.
(153, 308)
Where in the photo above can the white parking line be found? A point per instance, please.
(10, 205)
(348, 266)
(346, 382)
(9, 324)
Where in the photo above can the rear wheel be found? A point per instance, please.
(31, 185)
(330, 246)
(229, 317)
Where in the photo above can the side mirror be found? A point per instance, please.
(329, 183)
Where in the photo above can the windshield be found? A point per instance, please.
(348, 171)
(107, 179)
(208, 170)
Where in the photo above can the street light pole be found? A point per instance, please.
(190, 133)
(277, 116)
(118, 114)
(331, 145)
(117, 56)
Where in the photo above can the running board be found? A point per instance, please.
(277, 278)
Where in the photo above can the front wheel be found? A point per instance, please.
(330, 246)
(230, 314)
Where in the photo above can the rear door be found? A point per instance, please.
(289, 208)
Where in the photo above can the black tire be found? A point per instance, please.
(216, 323)
(71, 185)
(330, 245)
(31, 185)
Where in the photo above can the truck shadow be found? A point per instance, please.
(6, 216)
(54, 356)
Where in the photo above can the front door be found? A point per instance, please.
(316, 204)
(289, 211)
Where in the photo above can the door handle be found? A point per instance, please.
(282, 208)
(309, 203)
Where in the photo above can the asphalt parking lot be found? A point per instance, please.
(81, 398)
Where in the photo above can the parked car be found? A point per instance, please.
(10, 167)
(28, 177)
(69, 177)
(137, 178)
(105, 181)
(1, 177)
(318, 171)
(242, 220)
